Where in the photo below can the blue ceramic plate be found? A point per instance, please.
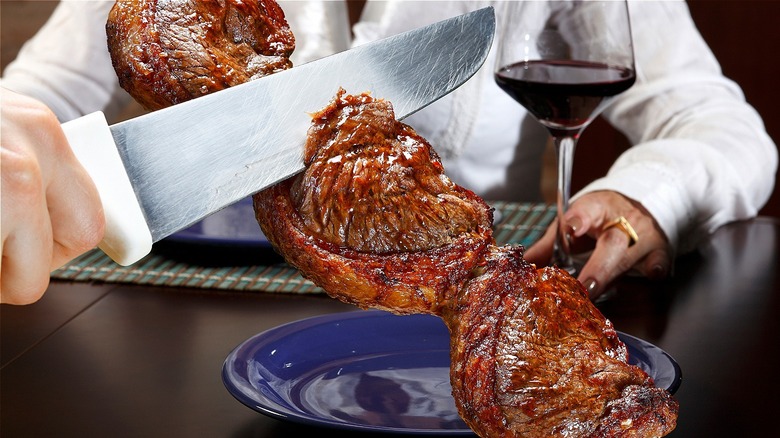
(234, 225)
(370, 371)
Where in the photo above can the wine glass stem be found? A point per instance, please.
(564, 147)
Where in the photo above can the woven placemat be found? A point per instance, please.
(519, 224)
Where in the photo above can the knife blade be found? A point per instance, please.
(164, 171)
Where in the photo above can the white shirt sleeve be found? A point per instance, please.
(320, 27)
(702, 157)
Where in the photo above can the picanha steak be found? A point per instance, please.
(375, 222)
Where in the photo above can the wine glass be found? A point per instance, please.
(564, 60)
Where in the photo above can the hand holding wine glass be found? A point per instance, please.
(564, 61)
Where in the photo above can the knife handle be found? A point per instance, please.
(127, 238)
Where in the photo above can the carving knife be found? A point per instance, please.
(164, 171)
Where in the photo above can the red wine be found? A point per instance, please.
(563, 94)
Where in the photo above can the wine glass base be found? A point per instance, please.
(563, 260)
(571, 263)
(570, 268)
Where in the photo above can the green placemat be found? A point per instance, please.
(519, 224)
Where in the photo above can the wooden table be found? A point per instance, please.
(100, 359)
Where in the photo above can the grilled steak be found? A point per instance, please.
(169, 51)
(346, 222)
(532, 357)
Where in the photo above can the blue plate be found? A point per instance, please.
(370, 371)
(234, 225)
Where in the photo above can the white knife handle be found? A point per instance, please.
(127, 238)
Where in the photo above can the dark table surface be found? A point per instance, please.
(100, 359)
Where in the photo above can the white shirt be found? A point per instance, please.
(701, 156)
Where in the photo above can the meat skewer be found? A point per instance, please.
(375, 222)
(530, 354)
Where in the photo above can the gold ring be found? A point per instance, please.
(624, 226)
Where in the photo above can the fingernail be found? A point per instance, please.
(574, 224)
(591, 286)
(657, 272)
